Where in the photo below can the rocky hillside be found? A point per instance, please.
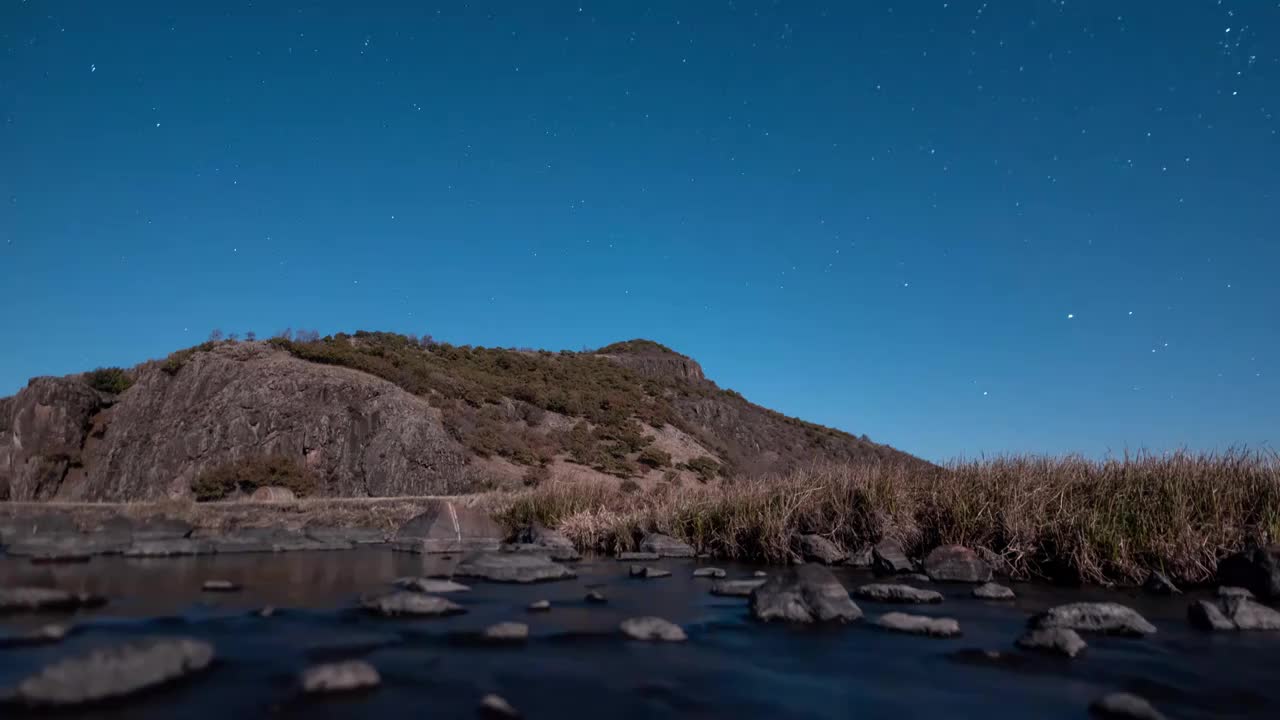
(379, 415)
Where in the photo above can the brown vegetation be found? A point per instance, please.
(109, 380)
(249, 474)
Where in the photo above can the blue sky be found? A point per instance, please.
(958, 227)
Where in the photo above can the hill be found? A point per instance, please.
(379, 415)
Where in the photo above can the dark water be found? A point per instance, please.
(576, 665)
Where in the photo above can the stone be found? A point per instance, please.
(346, 536)
(1063, 641)
(888, 558)
(652, 628)
(539, 606)
(709, 572)
(38, 599)
(666, 546)
(862, 558)
(1158, 583)
(273, 493)
(1256, 569)
(1124, 706)
(736, 588)
(1227, 592)
(449, 527)
(885, 592)
(993, 591)
(430, 585)
(1233, 613)
(512, 568)
(507, 632)
(637, 556)
(494, 707)
(220, 586)
(43, 635)
(112, 672)
(760, 574)
(646, 572)
(815, 548)
(1100, 617)
(597, 597)
(803, 594)
(919, 625)
(540, 536)
(407, 602)
(339, 677)
(915, 577)
(559, 554)
(170, 547)
(956, 563)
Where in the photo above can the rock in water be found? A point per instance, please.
(956, 563)
(493, 707)
(804, 593)
(1229, 592)
(652, 628)
(888, 558)
(407, 602)
(1099, 617)
(919, 624)
(449, 527)
(560, 547)
(431, 586)
(1124, 706)
(36, 599)
(882, 592)
(645, 572)
(993, 591)
(1158, 583)
(1233, 613)
(711, 572)
(42, 635)
(339, 677)
(1063, 641)
(539, 606)
(666, 546)
(507, 632)
(596, 597)
(736, 588)
(512, 568)
(815, 548)
(1257, 569)
(113, 672)
(760, 574)
(863, 558)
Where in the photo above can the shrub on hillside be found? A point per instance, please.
(706, 468)
(109, 379)
(654, 458)
(249, 474)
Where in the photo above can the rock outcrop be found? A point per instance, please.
(803, 594)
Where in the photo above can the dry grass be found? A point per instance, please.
(1040, 517)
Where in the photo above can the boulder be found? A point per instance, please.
(652, 628)
(1256, 569)
(646, 572)
(666, 546)
(273, 493)
(1124, 706)
(1157, 583)
(956, 563)
(1063, 641)
(494, 707)
(38, 599)
(1100, 617)
(736, 588)
(993, 591)
(512, 568)
(172, 547)
(430, 585)
(709, 572)
(507, 632)
(449, 527)
(815, 548)
(884, 592)
(112, 672)
(553, 540)
(1233, 613)
(339, 677)
(804, 593)
(863, 558)
(919, 624)
(407, 602)
(637, 556)
(888, 558)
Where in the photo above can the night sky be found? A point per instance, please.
(959, 227)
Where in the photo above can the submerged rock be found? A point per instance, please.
(736, 588)
(993, 591)
(646, 572)
(666, 546)
(1063, 641)
(1124, 706)
(219, 586)
(507, 632)
(637, 556)
(430, 585)
(112, 672)
(1158, 583)
(956, 563)
(43, 635)
(815, 548)
(1257, 569)
(652, 628)
(339, 677)
(1233, 613)
(407, 602)
(888, 558)
(711, 572)
(804, 593)
(539, 606)
(919, 624)
(884, 592)
(494, 707)
(512, 568)
(597, 597)
(760, 574)
(1100, 617)
(37, 599)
